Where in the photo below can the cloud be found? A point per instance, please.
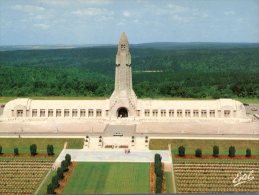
(41, 26)
(126, 13)
(200, 14)
(73, 2)
(176, 8)
(30, 9)
(92, 12)
(229, 13)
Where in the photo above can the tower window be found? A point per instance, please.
(123, 46)
(179, 113)
(66, 113)
(90, 113)
(163, 113)
(82, 113)
(58, 113)
(74, 113)
(34, 113)
(196, 113)
(50, 113)
(42, 113)
(147, 112)
(98, 113)
(203, 113)
(171, 113)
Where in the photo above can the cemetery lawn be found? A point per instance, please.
(23, 144)
(105, 178)
(205, 145)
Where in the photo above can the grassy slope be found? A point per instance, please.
(23, 144)
(92, 178)
(4, 99)
(206, 145)
(43, 188)
(169, 185)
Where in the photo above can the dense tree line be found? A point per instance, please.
(90, 72)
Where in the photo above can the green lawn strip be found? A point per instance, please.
(169, 185)
(23, 144)
(205, 145)
(43, 189)
(96, 177)
(220, 161)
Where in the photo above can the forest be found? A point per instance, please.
(195, 73)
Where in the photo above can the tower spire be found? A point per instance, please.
(123, 94)
(123, 38)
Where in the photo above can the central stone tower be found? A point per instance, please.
(123, 99)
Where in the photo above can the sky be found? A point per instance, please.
(30, 22)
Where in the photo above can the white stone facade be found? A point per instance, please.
(123, 103)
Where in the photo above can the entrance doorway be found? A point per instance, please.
(122, 112)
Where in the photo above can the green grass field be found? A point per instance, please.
(23, 144)
(94, 178)
(205, 145)
(169, 184)
(4, 99)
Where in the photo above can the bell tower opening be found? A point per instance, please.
(122, 112)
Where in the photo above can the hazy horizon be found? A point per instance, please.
(101, 22)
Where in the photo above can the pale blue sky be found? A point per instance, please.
(25, 22)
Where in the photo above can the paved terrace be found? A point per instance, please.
(114, 155)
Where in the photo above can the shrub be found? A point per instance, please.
(55, 183)
(16, 151)
(50, 150)
(215, 151)
(1, 149)
(60, 173)
(158, 169)
(64, 165)
(248, 152)
(198, 153)
(33, 149)
(68, 158)
(158, 158)
(181, 151)
(50, 189)
(232, 151)
(159, 185)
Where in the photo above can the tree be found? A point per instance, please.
(198, 153)
(50, 149)
(181, 151)
(232, 151)
(248, 152)
(33, 149)
(159, 185)
(215, 151)
(55, 183)
(1, 149)
(16, 151)
(50, 189)
(64, 165)
(68, 158)
(60, 173)
(158, 169)
(158, 157)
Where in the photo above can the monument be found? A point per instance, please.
(124, 103)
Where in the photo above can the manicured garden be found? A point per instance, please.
(22, 176)
(23, 144)
(207, 176)
(94, 177)
(206, 145)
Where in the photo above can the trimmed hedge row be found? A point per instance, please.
(198, 152)
(33, 150)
